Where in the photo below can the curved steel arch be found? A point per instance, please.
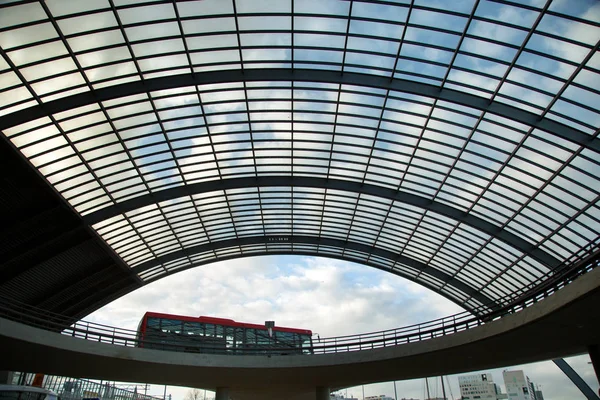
(314, 182)
(503, 127)
(301, 75)
(447, 279)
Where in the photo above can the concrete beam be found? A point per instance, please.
(6, 377)
(222, 393)
(594, 353)
(558, 326)
(322, 393)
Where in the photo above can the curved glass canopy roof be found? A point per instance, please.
(452, 143)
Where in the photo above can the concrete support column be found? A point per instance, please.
(6, 377)
(322, 393)
(595, 357)
(222, 393)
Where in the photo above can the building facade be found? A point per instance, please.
(479, 386)
(380, 397)
(338, 396)
(518, 386)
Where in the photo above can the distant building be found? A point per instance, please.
(336, 396)
(479, 387)
(518, 386)
(380, 397)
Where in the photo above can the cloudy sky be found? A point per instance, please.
(330, 297)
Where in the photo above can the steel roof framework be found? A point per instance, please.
(455, 147)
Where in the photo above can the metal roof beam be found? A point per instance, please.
(336, 243)
(323, 183)
(301, 75)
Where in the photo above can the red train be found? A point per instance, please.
(219, 335)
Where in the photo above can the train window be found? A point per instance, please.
(210, 330)
(220, 331)
(191, 334)
(153, 323)
(171, 325)
(193, 328)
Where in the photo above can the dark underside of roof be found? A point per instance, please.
(48, 257)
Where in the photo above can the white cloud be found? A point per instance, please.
(330, 297)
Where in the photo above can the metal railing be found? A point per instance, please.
(516, 302)
(69, 388)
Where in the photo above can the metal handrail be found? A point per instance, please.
(20, 312)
